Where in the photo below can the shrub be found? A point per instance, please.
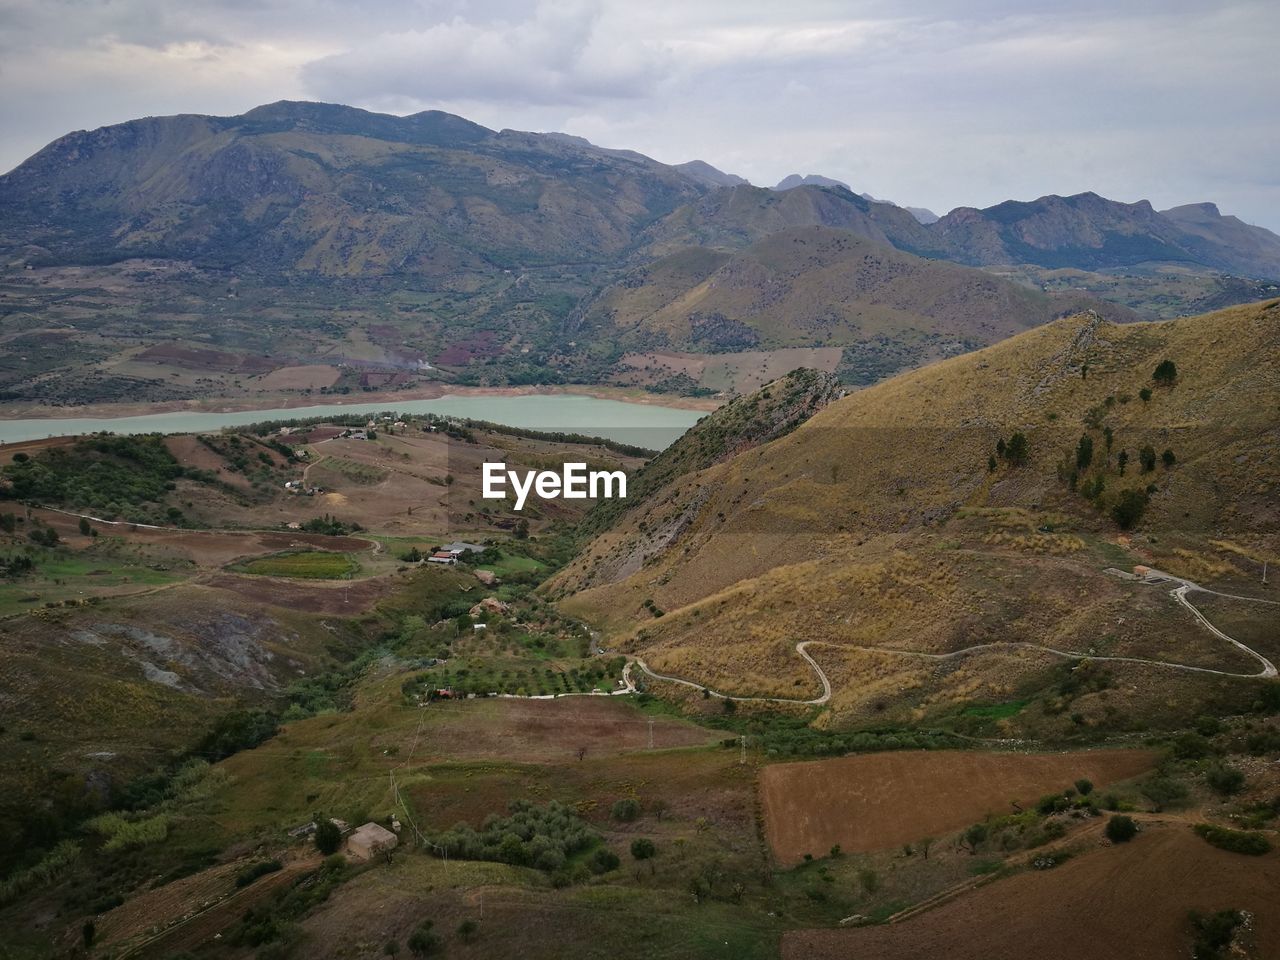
(1236, 841)
(1191, 746)
(423, 941)
(1084, 786)
(1224, 780)
(1214, 933)
(467, 930)
(642, 848)
(604, 860)
(1163, 791)
(256, 870)
(626, 810)
(1052, 803)
(1121, 829)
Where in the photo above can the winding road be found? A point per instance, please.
(1179, 594)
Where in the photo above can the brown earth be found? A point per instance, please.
(1128, 902)
(339, 597)
(311, 376)
(208, 548)
(549, 730)
(881, 800)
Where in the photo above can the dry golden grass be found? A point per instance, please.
(878, 523)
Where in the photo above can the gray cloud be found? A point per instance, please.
(950, 103)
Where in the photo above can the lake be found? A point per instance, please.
(642, 424)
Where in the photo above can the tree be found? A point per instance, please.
(1145, 394)
(88, 933)
(975, 835)
(522, 530)
(1147, 458)
(1168, 458)
(1129, 508)
(328, 836)
(1109, 436)
(1121, 829)
(1122, 461)
(1084, 452)
(85, 529)
(467, 930)
(626, 809)
(1166, 373)
(925, 844)
(642, 848)
(1085, 786)
(1017, 449)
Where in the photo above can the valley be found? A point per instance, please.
(710, 714)
(939, 617)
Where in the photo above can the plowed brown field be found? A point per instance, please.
(1128, 902)
(881, 800)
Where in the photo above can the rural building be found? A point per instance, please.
(369, 840)
(459, 548)
(440, 556)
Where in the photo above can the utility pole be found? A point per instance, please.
(742, 757)
(650, 733)
(1264, 573)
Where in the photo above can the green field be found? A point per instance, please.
(62, 577)
(514, 563)
(302, 565)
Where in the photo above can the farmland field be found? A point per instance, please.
(879, 801)
(1114, 903)
(304, 565)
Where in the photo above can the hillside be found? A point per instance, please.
(739, 216)
(332, 191)
(305, 248)
(1090, 232)
(873, 309)
(890, 520)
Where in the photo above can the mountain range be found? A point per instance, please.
(324, 188)
(507, 249)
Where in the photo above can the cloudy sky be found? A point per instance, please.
(933, 103)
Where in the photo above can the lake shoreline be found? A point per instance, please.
(651, 426)
(285, 401)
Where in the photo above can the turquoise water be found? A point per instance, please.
(642, 424)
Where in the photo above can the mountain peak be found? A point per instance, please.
(791, 181)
